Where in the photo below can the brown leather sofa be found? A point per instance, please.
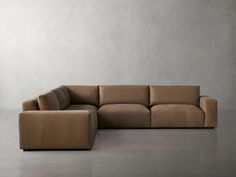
(68, 117)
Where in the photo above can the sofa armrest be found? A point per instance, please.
(209, 107)
(56, 129)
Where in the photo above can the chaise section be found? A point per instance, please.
(176, 115)
(123, 116)
(209, 106)
(56, 130)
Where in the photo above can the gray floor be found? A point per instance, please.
(120, 153)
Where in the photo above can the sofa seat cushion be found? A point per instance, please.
(176, 115)
(123, 116)
(82, 107)
(91, 108)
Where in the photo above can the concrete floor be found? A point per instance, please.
(121, 153)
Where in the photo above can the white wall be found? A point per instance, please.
(46, 43)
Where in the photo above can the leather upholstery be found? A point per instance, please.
(43, 125)
(64, 88)
(123, 116)
(209, 106)
(56, 130)
(30, 105)
(48, 101)
(82, 107)
(62, 97)
(176, 115)
(83, 94)
(115, 94)
(91, 108)
(174, 95)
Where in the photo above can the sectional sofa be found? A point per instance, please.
(68, 117)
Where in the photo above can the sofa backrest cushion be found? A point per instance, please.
(81, 94)
(174, 95)
(30, 105)
(62, 96)
(113, 94)
(64, 88)
(48, 101)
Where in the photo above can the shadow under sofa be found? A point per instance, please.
(68, 117)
